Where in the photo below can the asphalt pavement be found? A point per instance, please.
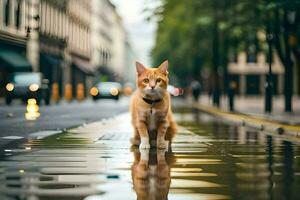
(56, 116)
(208, 160)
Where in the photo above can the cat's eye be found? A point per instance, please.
(146, 80)
(158, 80)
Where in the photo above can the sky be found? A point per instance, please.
(141, 32)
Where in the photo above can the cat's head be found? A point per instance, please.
(152, 82)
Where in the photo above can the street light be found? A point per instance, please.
(269, 84)
(290, 31)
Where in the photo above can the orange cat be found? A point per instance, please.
(151, 108)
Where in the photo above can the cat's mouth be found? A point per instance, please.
(152, 93)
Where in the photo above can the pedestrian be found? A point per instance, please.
(196, 89)
(231, 93)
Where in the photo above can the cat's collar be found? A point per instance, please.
(151, 102)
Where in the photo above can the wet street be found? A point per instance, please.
(57, 116)
(209, 160)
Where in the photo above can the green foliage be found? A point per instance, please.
(186, 30)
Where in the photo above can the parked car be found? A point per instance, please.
(110, 90)
(27, 85)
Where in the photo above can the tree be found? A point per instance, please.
(200, 34)
(285, 23)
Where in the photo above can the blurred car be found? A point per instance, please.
(110, 90)
(27, 85)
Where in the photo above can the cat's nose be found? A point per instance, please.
(152, 87)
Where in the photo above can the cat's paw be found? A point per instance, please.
(135, 141)
(144, 146)
(162, 144)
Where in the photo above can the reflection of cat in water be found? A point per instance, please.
(151, 174)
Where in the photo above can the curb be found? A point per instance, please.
(252, 121)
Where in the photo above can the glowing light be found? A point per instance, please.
(128, 90)
(32, 116)
(32, 110)
(10, 87)
(114, 91)
(28, 148)
(34, 87)
(94, 91)
(22, 171)
(31, 101)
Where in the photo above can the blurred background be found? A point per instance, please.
(249, 46)
(240, 47)
(70, 45)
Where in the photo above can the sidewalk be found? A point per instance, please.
(255, 106)
(250, 110)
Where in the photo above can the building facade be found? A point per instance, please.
(13, 38)
(110, 41)
(251, 76)
(72, 42)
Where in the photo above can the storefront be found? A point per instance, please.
(82, 77)
(12, 59)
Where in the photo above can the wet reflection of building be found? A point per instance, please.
(151, 174)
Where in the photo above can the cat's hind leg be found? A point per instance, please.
(171, 131)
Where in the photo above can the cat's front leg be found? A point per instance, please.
(161, 133)
(136, 139)
(145, 144)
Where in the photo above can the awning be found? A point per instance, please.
(83, 66)
(15, 60)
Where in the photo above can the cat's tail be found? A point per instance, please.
(171, 131)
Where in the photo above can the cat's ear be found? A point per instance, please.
(140, 68)
(164, 67)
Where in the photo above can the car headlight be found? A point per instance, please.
(34, 87)
(94, 91)
(114, 91)
(10, 87)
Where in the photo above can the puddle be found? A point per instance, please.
(209, 160)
